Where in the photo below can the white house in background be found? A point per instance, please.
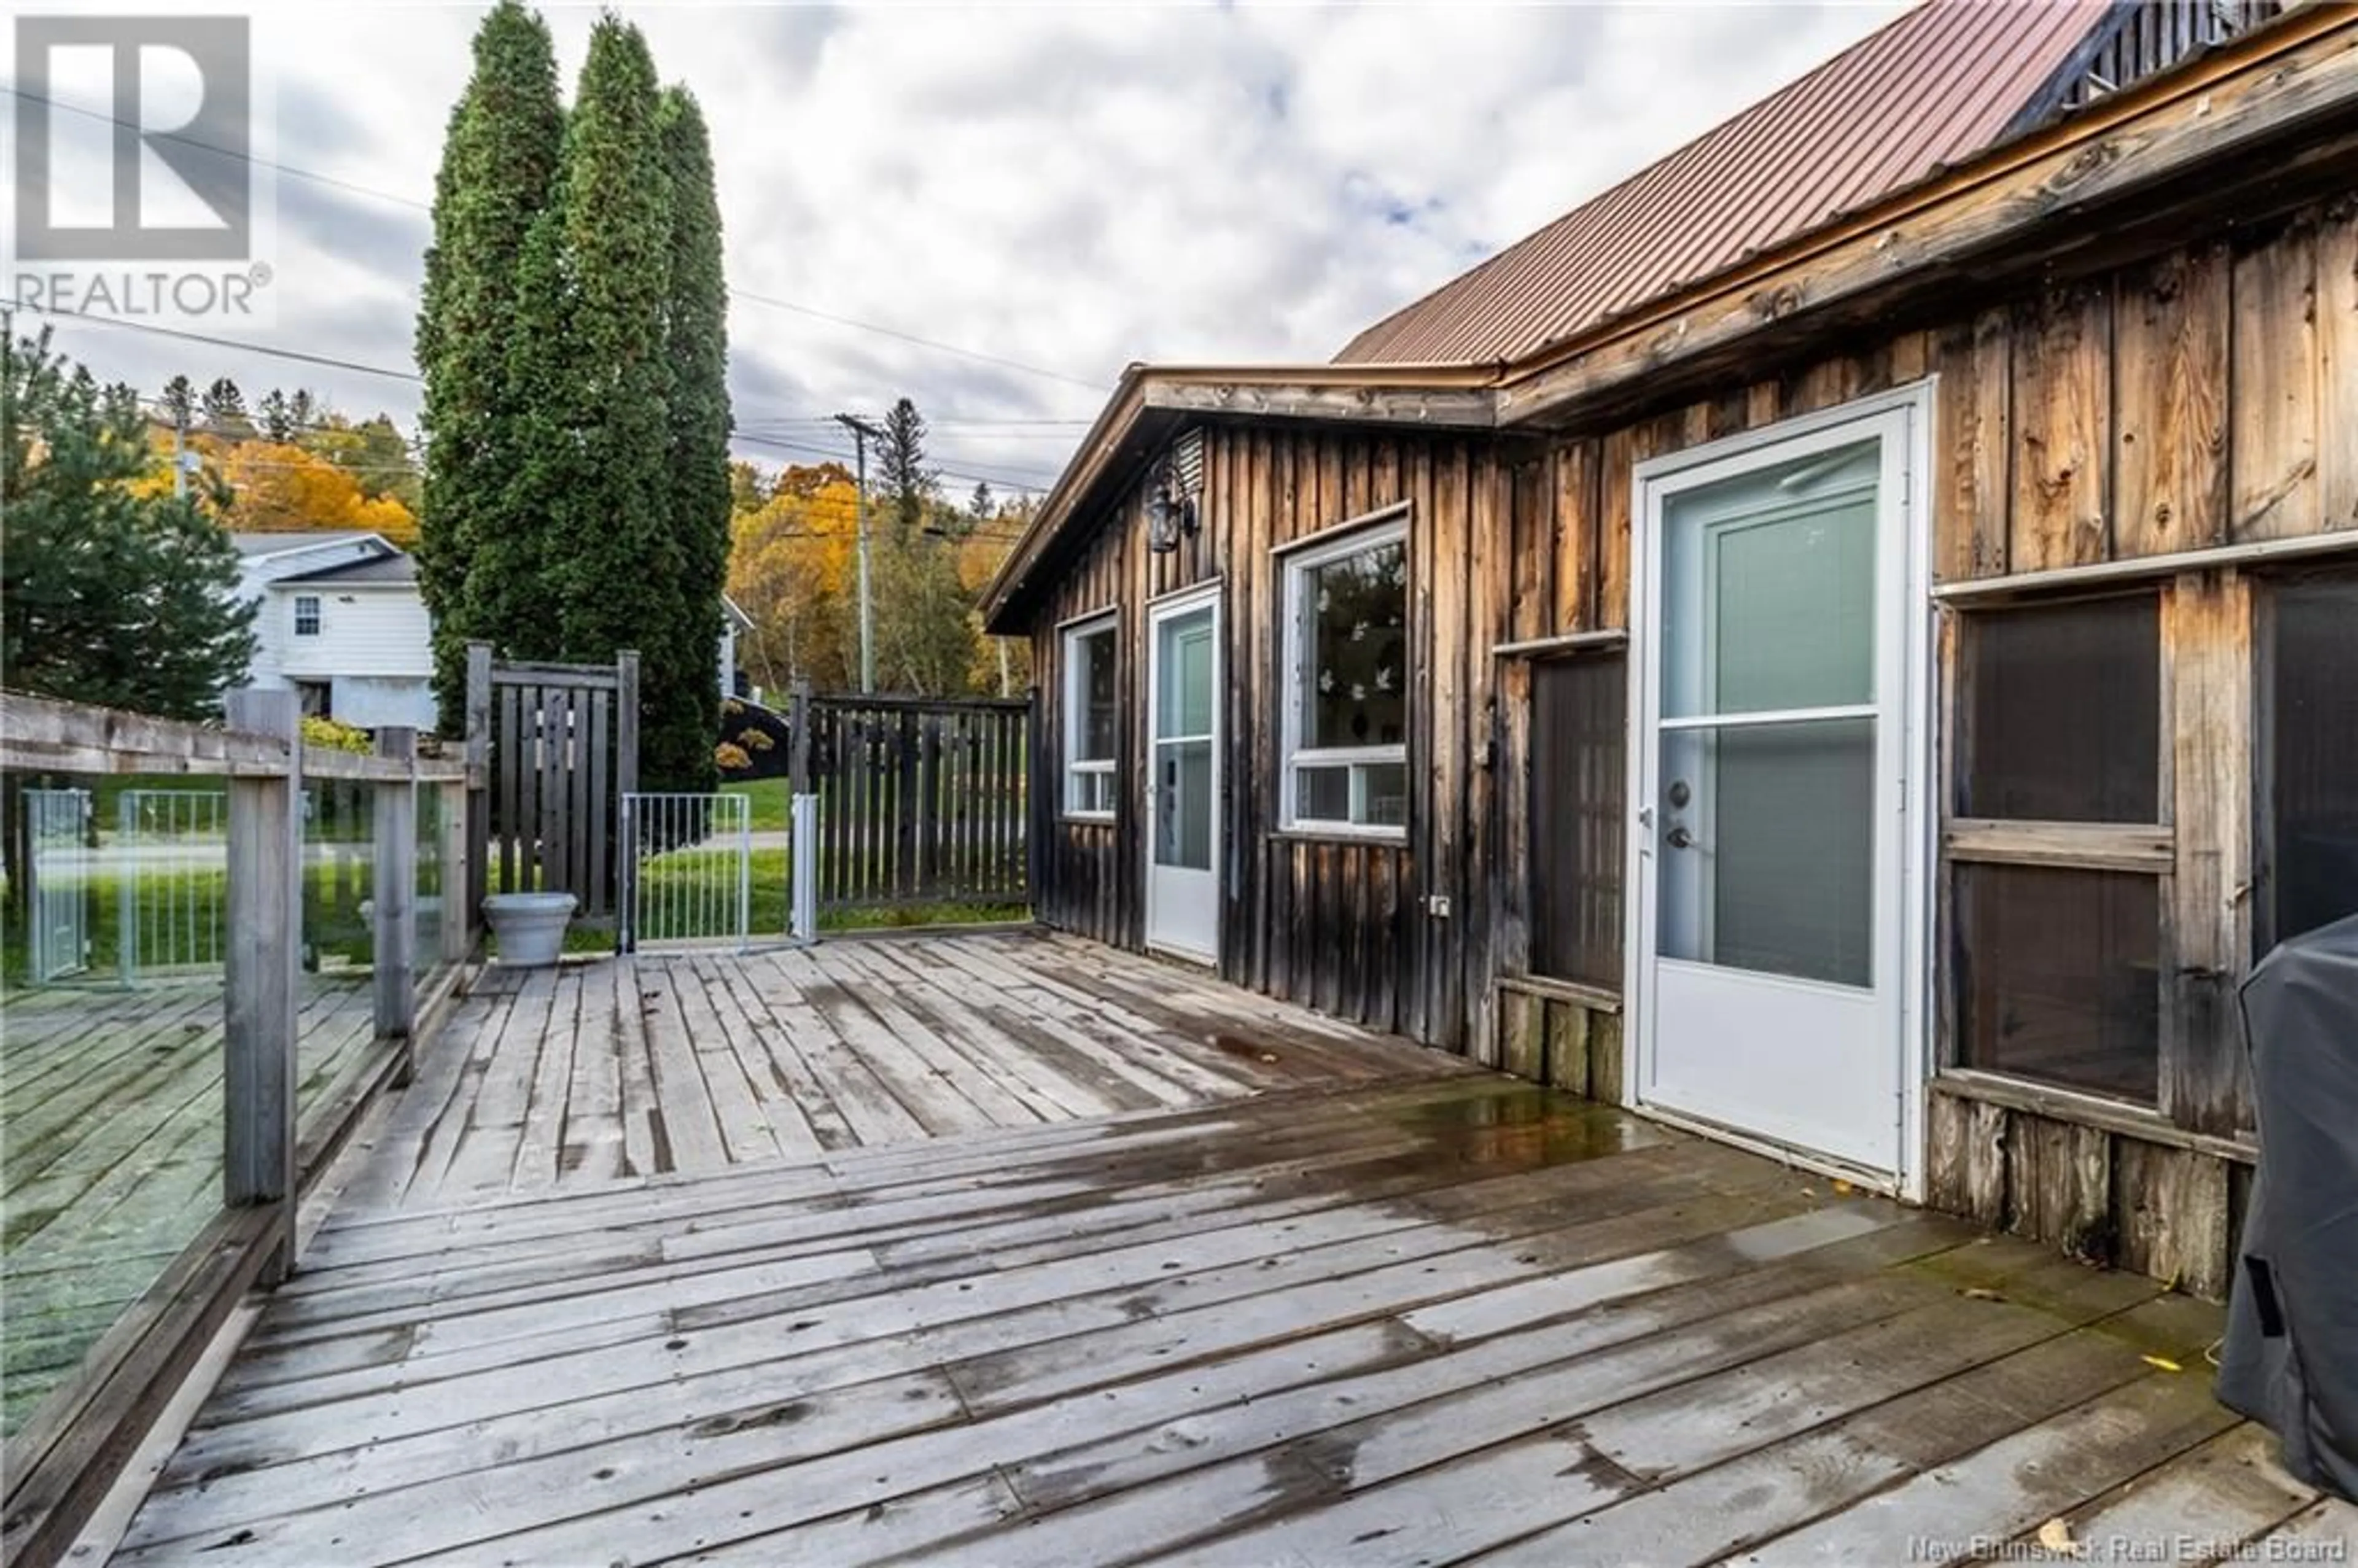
(342, 622)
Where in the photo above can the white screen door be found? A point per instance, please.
(1770, 843)
(1182, 884)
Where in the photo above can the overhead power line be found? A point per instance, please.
(327, 362)
(839, 454)
(923, 342)
(314, 176)
(415, 205)
(332, 362)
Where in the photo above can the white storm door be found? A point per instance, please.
(1772, 847)
(1183, 758)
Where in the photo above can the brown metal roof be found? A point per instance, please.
(1933, 87)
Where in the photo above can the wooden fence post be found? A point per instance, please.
(393, 892)
(798, 739)
(626, 722)
(265, 925)
(460, 811)
(802, 818)
(626, 777)
(478, 792)
(1036, 801)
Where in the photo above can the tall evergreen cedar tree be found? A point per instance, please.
(112, 594)
(498, 167)
(697, 346)
(585, 508)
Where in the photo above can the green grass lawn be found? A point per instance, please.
(769, 801)
(673, 884)
(181, 909)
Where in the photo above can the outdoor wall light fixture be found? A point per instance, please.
(1170, 508)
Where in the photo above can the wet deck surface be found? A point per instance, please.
(1431, 1321)
(555, 1079)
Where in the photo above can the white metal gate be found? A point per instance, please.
(689, 870)
(57, 902)
(173, 880)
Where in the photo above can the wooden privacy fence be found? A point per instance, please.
(560, 745)
(921, 800)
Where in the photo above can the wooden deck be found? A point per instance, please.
(1427, 1317)
(665, 1063)
(111, 1117)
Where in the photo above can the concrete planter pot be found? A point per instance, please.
(530, 927)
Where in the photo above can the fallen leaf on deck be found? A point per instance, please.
(2164, 1362)
(2056, 1536)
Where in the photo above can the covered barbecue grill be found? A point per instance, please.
(2291, 1360)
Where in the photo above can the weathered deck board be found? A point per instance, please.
(694, 1063)
(111, 1120)
(1406, 1314)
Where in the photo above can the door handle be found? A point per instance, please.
(1680, 839)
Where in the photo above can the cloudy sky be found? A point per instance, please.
(1054, 190)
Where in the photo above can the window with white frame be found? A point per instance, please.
(1090, 724)
(1347, 673)
(307, 615)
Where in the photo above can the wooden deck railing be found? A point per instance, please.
(72, 1447)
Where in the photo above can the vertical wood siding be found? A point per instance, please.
(2205, 396)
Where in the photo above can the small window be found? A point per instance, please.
(2065, 712)
(2063, 977)
(1347, 707)
(1579, 754)
(307, 615)
(2057, 964)
(1091, 725)
(2310, 788)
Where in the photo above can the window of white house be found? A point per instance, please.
(1090, 726)
(307, 615)
(1347, 663)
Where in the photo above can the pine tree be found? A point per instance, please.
(113, 593)
(179, 402)
(499, 165)
(277, 420)
(225, 410)
(909, 484)
(696, 347)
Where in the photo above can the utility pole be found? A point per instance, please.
(179, 453)
(861, 431)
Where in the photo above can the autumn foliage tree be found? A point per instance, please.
(304, 469)
(793, 571)
(281, 488)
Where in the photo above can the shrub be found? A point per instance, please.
(328, 734)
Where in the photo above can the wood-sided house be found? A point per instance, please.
(1848, 641)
